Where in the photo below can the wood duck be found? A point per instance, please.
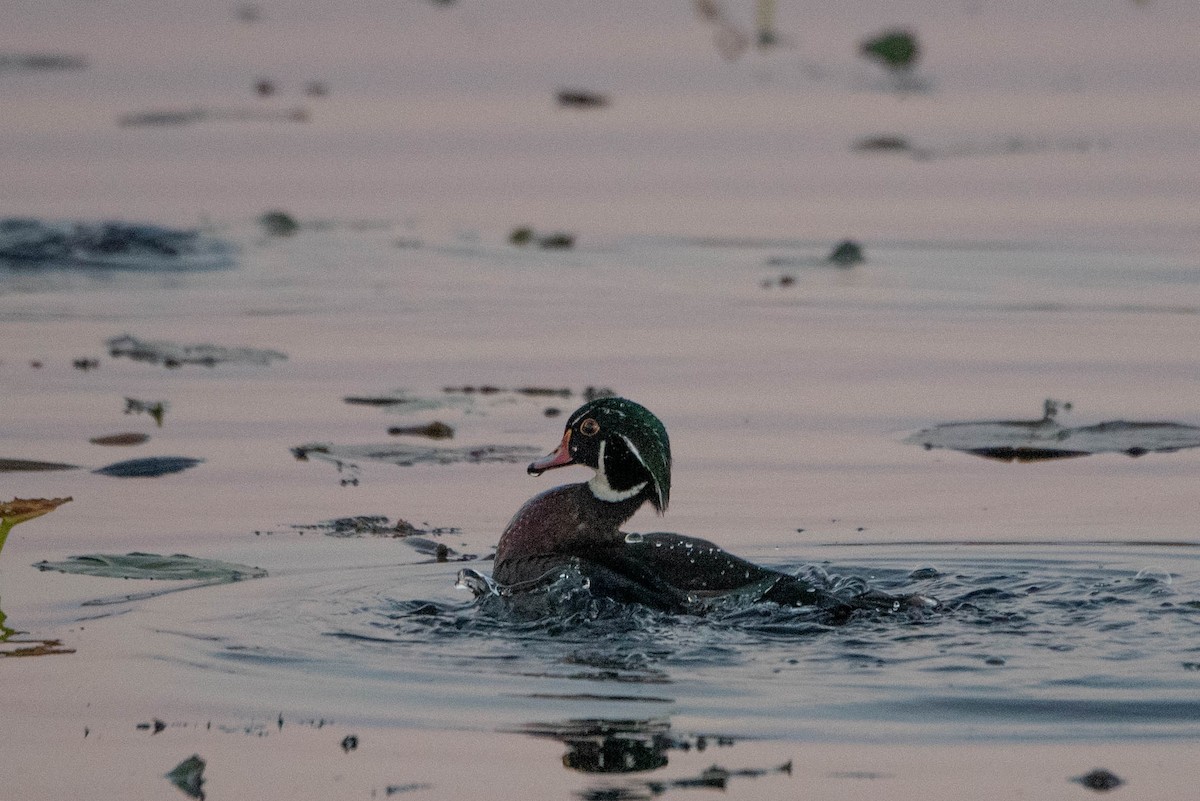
(578, 525)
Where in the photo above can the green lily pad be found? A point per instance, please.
(188, 776)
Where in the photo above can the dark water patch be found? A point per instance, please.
(27, 244)
(1040, 440)
(149, 467)
(172, 354)
(41, 62)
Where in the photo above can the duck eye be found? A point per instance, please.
(589, 427)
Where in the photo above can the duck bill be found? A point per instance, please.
(561, 457)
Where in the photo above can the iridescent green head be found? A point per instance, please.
(624, 443)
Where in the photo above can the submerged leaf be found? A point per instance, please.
(177, 567)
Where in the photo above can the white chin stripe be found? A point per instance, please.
(601, 488)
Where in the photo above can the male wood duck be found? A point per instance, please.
(578, 525)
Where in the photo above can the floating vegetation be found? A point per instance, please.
(434, 430)
(188, 776)
(539, 392)
(1012, 145)
(896, 50)
(31, 647)
(30, 465)
(523, 236)
(124, 439)
(18, 510)
(191, 116)
(149, 467)
(28, 244)
(581, 98)
(598, 746)
(278, 223)
(1039, 440)
(156, 409)
(1100, 780)
(380, 526)
(409, 455)
(464, 397)
(172, 354)
(847, 253)
(373, 526)
(883, 143)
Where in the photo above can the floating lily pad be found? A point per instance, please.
(149, 467)
(172, 354)
(30, 465)
(895, 50)
(1038, 440)
(188, 776)
(178, 567)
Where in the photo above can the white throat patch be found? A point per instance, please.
(603, 490)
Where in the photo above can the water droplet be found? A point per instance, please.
(633, 538)
(1152, 575)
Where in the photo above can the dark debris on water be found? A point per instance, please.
(173, 354)
(30, 243)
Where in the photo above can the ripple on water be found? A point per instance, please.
(1030, 641)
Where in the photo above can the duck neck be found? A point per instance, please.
(566, 519)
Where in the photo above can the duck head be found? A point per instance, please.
(624, 443)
